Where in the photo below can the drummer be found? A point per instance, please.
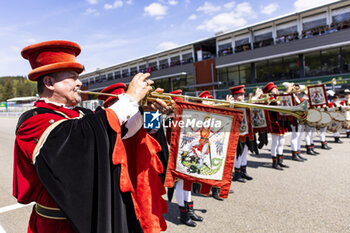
(277, 130)
(346, 103)
(335, 103)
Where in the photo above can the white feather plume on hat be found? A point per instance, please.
(330, 92)
(287, 84)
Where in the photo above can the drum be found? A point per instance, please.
(326, 119)
(337, 122)
(313, 117)
(347, 120)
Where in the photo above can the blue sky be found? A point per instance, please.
(114, 31)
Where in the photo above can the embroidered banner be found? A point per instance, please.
(203, 146)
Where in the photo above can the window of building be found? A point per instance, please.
(330, 63)
(225, 49)
(178, 82)
(162, 83)
(234, 75)
(261, 70)
(263, 40)
(341, 17)
(110, 76)
(291, 67)
(187, 58)
(92, 80)
(133, 71)
(314, 26)
(312, 64)
(277, 69)
(101, 78)
(345, 59)
(125, 73)
(163, 64)
(117, 75)
(142, 68)
(153, 66)
(287, 34)
(175, 61)
(242, 45)
(245, 74)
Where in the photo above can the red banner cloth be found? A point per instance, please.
(207, 139)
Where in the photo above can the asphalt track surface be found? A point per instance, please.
(311, 196)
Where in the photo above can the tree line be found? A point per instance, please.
(16, 86)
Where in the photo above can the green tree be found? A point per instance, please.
(8, 91)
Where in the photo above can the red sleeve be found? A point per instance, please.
(26, 184)
(331, 105)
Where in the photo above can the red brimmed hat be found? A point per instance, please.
(177, 92)
(116, 89)
(237, 90)
(52, 56)
(268, 87)
(205, 94)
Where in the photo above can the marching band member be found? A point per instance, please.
(183, 198)
(61, 151)
(296, 127)
(346, 103)
(240, 164)
(278, 129)
(333, 104)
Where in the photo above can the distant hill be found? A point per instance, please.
(16, 86)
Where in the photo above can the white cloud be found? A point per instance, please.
(173, 2)
(156, 10)
(303, 4)
(91, 11)
(129, 2)
(237, 17)
(229, 5)
(192, 17)
(269, 9)
(209, 8)
(116, 4)
(92, 2)
(166, 45)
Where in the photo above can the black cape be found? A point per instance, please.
(75, 167)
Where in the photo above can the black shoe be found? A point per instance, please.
(191, 213)
(295, 157)
(300, 157)
(313, 149)
(324, 145)
(280, 161)
(244, 173)
(238, 176)
(337, 140)
(309, 151)
(215, 193)
(275, 164)
(185, 217)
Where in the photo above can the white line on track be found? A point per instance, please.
(2, 230)
(11, 207)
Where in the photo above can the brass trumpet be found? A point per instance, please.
(332, 81)
(298, 111)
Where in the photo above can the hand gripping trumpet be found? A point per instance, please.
(299, 111)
